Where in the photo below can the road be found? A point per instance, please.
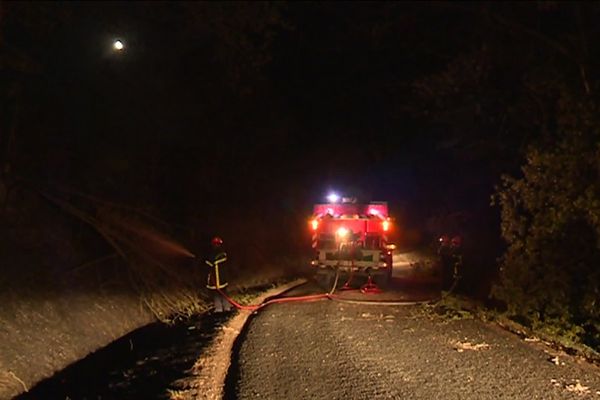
(332, 350)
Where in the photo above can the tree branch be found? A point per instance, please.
(549, 42)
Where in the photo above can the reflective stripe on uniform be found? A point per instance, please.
(214, 287)
(219, 259)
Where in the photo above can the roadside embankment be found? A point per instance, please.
(76, 276)
(72, 282)
(40, 336)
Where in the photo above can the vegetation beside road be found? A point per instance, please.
(77, 276)
(550, 278)
(454, 307)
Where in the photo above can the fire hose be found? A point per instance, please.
(255, 307)
(331, 296)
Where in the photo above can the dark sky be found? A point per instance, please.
(276, 103)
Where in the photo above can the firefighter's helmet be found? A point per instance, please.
(216, 241)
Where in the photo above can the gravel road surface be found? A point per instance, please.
(331, 350)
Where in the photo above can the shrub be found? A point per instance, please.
(550, 219)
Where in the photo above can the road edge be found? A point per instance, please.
(483, 313)
(210, 370)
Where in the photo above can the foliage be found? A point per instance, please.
(551, 222)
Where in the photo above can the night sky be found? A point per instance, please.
(216, 107)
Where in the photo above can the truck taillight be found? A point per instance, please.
(315, 224)
(386, 225)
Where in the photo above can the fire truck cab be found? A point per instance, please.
(351, 239)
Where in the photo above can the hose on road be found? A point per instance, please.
(254, 307)
(331, 296)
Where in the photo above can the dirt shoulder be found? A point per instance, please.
(460, 305)
(208, 375)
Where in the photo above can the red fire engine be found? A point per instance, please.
(351, 239)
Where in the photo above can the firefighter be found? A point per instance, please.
(457, 259)
(216, 274)
(450, 254)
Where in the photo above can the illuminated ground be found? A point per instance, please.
(327, 349)
(415, 278)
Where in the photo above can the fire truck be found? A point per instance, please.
(351, 240)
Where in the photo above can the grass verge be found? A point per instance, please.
(458, 307)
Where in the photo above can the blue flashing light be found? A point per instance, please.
(333, 198)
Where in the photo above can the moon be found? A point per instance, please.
(118, 45)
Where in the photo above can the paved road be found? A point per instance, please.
(330, 350)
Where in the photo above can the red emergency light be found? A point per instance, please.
(386, 225)
(378, 209)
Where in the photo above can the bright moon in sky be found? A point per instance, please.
(118, 45)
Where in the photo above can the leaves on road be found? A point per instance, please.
(576, 387)
(369, 316)
(556, 361)
(462, 346)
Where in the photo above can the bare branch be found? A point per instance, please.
(584, 48)
(93, 262)
(89, 220)
(549, 42)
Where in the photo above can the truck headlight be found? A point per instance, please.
(342, 232)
